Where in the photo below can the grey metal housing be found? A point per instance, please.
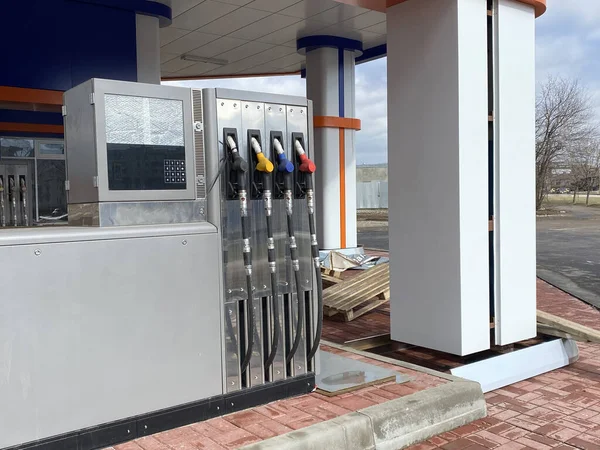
(86, 140)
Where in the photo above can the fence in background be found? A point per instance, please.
(372, 195)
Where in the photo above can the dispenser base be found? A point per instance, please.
(154, 422)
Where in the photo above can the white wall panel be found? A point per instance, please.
(437, 147)
(515, 174)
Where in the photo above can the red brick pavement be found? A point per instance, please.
(256, 424)
(559, 410)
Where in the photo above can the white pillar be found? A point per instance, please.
(514, 215)
(148, 49)
(438, 174)
(330, 65)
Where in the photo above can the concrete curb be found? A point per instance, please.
(392, 425)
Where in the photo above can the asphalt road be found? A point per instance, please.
(568, 250)
(374, 238)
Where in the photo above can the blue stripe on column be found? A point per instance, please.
(147, 7)
(308, 43)
(341, 80)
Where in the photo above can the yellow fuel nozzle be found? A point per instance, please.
(264, 165)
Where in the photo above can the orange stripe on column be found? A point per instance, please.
(38, 96)
(31, 128)
(342, 188)
(336, 122)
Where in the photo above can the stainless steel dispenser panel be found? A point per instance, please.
(297, 122)
(278, 368)
(253, 118)
(276, 121)
(256, 369)
(232, 349)
(229, 115)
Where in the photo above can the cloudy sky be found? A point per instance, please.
(568, 44)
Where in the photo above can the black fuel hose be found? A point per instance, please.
(272, 258)
(296, 267)
(247, 252)
(275, 297)
(317, 263)
(240, 165)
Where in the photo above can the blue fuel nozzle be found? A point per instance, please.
(284, 165)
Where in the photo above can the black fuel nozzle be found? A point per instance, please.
(237, 175)
(239, 164)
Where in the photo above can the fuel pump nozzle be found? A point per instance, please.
(23, 188)
(287, 168)
(13, 198)
(308, 168)
(283, 164)
(266, 167)
(240, 166)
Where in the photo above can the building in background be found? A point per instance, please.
(372, 186)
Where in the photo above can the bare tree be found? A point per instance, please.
(563, 121)
(584, 161)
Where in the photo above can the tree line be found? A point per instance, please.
(567, 139)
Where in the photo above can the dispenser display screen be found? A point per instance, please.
(145, 168)
(145, 143)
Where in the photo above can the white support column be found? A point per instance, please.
(148, 49)
(330, 64)
(514, 224)
(438, 167)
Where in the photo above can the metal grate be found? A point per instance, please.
(199, 145)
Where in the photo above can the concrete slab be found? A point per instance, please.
(509, 368)
(341, 374)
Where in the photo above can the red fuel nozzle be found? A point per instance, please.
(306, 165)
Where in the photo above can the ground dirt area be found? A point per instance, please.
(372, 215)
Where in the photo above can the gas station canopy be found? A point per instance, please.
(213, 38)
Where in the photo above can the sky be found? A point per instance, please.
(567, 45)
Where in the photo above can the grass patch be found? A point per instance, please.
(567, 199)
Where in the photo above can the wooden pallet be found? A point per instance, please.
(331, 273)
(359, 295)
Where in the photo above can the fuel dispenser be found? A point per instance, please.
(16, 196)
(263, 238)
(183, 286)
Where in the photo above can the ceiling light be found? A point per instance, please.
(194, 58)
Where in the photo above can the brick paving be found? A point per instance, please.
(558, 410)
(256, 424)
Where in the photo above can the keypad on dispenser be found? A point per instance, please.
(174, 171)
